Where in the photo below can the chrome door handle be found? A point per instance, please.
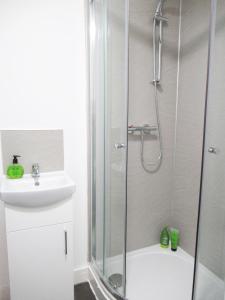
(119, 146)
(212, 150)
(66, 242)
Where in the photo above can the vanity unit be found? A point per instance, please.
(39, 236)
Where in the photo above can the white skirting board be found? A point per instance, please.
(81, 275)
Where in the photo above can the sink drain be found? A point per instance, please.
(116, 280)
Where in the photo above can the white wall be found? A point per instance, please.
(43, 85)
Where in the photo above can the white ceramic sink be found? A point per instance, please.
(53, 187)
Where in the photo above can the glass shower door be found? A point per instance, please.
(109, 59)
(116, 144)
(210, 264)
(97, 95)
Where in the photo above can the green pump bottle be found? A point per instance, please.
(15, 171)
(165, 238)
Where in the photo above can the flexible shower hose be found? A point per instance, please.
(152, 167)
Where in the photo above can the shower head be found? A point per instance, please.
(160, 6)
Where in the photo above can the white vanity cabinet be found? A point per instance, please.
(40, 252)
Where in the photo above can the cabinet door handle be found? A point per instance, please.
(66, 242)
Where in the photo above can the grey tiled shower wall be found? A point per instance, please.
(171, 195)
(44, 147)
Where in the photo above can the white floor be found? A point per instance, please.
(154, 273)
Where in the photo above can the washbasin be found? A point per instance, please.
(53, 187)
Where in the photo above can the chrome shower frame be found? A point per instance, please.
(158, 20)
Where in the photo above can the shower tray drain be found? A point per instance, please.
(116, 280)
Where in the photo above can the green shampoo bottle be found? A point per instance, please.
(165, 238)
(175, 237)
(15, 171)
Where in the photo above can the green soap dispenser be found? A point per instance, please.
(15, 171)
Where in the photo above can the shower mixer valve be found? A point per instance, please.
(119, 146)
(146, 128)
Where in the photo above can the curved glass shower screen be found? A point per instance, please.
(210, 263)
(109, 55)
(168, 59)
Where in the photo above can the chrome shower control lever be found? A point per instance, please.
(119, 146)
(212, 150)
(160, 18)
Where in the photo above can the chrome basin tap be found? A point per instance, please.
(35, 170)
(36, 173)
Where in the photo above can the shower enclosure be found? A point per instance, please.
(157, 149)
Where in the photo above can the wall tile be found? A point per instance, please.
(44, 147)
